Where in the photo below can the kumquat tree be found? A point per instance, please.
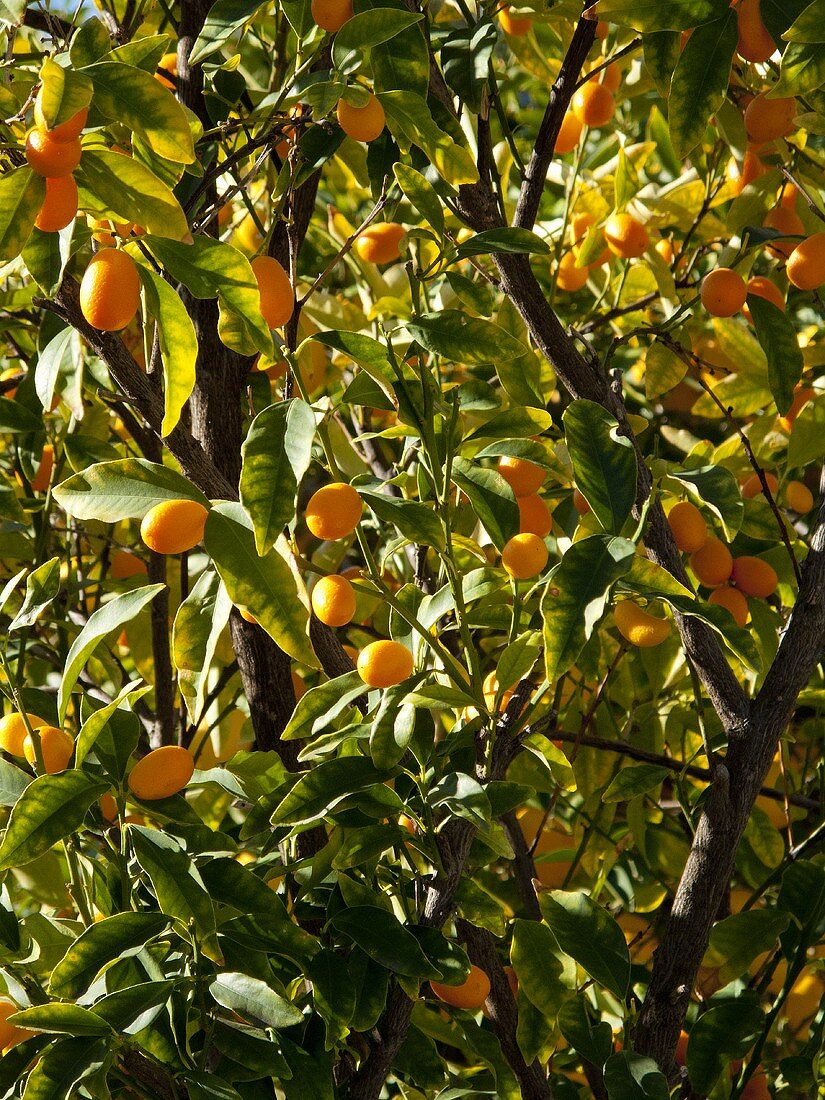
(412, 525)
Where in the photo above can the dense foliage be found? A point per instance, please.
(351, 669)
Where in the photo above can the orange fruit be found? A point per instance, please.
(361, 123)
(534, 516)
(277, 295)
(625, 235)
(756, 1088)
(602, 30)
(524, 556)
(551, 840)
(110, 290)
(755, 44)
(802, 395)
(378, 244)
(806, 264)
(59, 207)
(638, 627)
(333, 511)
(49, 157)
(173, 526)
(593, 104)
(665, 249)
(799, 497)
(769, 119)
(331, 15)
(752, 486)
(767, 289)
(788, 223)
(754, 577)
(108, 807)
(13, 732)
(161, 773)
(384, 663)
(723, 292)
(125, 565)
(56, 746)
(523, 477)
(752, 168)
(712, 564)
(570, 277)
(733, 601)
(514, 25)
(688, 526)
(69, 130)
(611, 77)
(43, 477)
(470, 995)
(333, 600)
(579, 502)
(9, 1034)
(569, 134)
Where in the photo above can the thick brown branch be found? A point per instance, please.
(560, 95)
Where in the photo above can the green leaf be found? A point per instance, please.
(410, 123)
(462, 796)
(62, 1066)
(99, 719)
(62, 1019)
(649, 579)
(465, 60)
(808, 26)
(739, 939)
(178, 345)
(592, 1040)
(738, 639)
(807, 442)
(384, 938)
(225, 18)
(15, 417)
(589, 935)
(629, 1076)
(802, 70)
(210, 268)
(321, 705)
(49, 809)
(369, 28)
(276, 453)
(267, 585)
(199, 623)
(46, 256)
(604, 464)
(134, 1008)
(661, 52)
(61, 357)
(116, 937)
(576, 597)
(391, 732)
(124, 489)
(421, 194)
(650, 15)
(464, 339)
(21, 195)
(254, 999)
(110, 617)
(415, 520)
(716, 487)
(534, 955)
(13, 781)
(318, 792)
(403, 62)
(177, 884)
(700, 81)
(511, 240)
(136, 100)
(663, 370)
(779, 341)
(206, 1086)
(42, 585)
(722, 1033)
(492, 499)
(127, 188)
(63, 92)
(634, 780)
